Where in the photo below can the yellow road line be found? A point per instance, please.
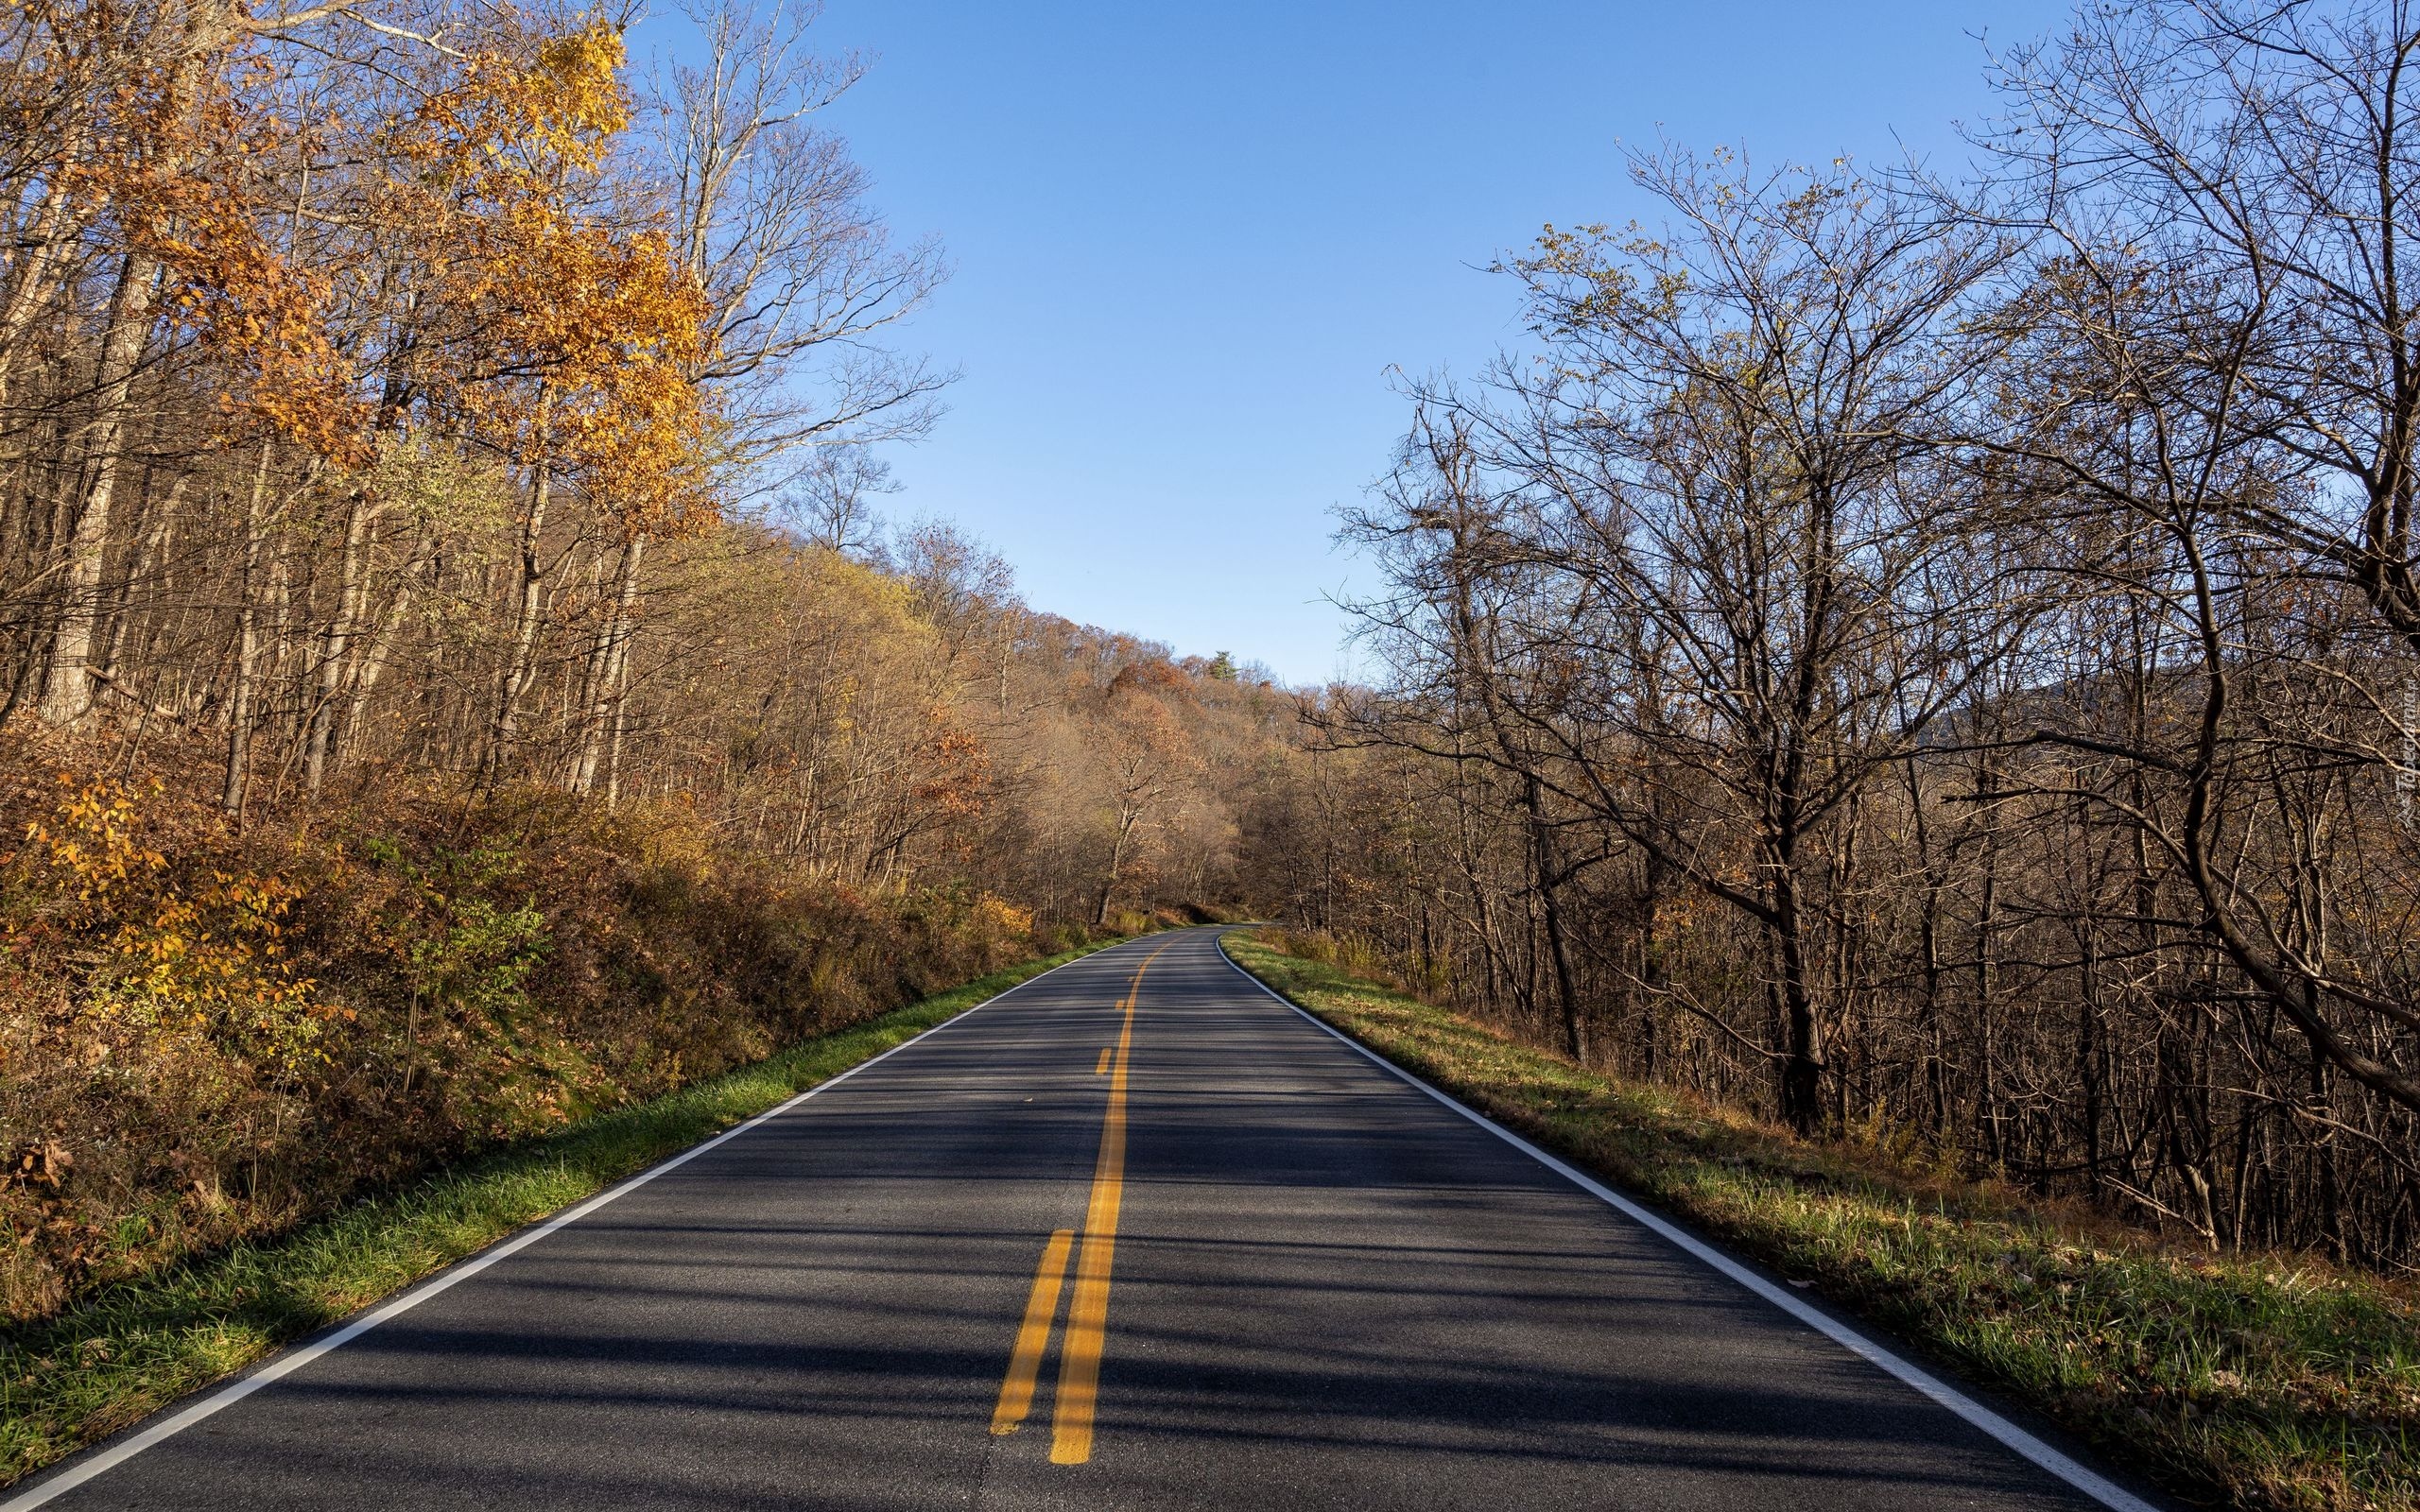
(1102, 1068)
(1071, 1422)
(1024, 1362)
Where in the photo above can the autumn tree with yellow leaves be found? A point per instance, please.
(424, 716)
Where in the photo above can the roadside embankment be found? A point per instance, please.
(2257, 1381)
(216, 1030)
(126, 1350)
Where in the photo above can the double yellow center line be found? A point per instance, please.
(1071, 1423)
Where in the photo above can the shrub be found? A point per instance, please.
(208, 1034)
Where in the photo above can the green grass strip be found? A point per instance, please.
(127, 1350)
(2257, 1380)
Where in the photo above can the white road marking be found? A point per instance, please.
(2100, 1488)
(285, 1365)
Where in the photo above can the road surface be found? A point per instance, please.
(1134, 1236)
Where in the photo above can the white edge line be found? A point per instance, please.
(2100, 1488)
(287, 1364)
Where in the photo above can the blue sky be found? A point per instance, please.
(1190, 240)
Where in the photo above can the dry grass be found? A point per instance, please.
(2251, 1381)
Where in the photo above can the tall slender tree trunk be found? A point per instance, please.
(1116, 867)
(521, 652)
(2088, 1009)
(371, 663)
(149, 558)
(337, 650)
(1654, 974)
(1575, 1038)
(620, 723)
(247, 645)
(1802, 1047)
(68, 685)
(1987, 963)
(33, 287)
(600, 686)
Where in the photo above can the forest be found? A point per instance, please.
(1930, 657)
(454, 677)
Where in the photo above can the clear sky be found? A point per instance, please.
(1191, 240)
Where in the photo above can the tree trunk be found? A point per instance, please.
(68, 686)
(1116, 863)
(33, 287)
(520, 651)
(1575, 1038)
(1803, 1048)
(600, 685)
(335, 654)
(240, 699)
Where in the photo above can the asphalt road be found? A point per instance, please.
(1239, 1265)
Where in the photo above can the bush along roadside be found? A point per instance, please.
(2256, 1380)
(213, 1031)
(126, 1350)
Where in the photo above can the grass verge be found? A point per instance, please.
(2250, 1381)
(128, 1351)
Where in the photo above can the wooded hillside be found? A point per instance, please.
(1932, 658)
(452, 675)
